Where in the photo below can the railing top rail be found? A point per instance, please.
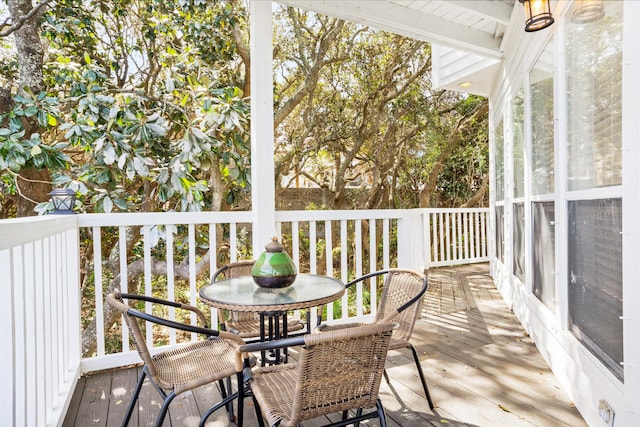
(161, 218)
(19, 231)
(325, 215)
(453, 210)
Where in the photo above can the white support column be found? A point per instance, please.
(262, 149)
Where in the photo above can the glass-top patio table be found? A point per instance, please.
(243, 295)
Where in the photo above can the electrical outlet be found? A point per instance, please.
(605, 412)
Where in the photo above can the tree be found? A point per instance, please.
(136, 105)
(355, 107)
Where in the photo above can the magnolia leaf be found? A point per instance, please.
(140, 167)
(107, 204)
(198, 133)
(109, 154)
(156, 130)
(122, 161)
(121, 203)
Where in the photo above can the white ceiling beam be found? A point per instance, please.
(404, 21)
(494, 10)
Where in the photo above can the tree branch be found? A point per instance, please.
(7, 28)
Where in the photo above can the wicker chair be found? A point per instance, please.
(400, 302)
(185, 367)
(246, 325)
(336, 372)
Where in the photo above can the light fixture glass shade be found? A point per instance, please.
(585, 11)
(538, 14)
(64, 200)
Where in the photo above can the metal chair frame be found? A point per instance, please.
(352, 357)
(217, 341)
(398, 304)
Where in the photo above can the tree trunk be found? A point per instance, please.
(34, 185)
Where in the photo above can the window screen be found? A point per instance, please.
(595, 278)
(499, 161)
(518, 241)
(518, 145)
(542, 120)
(594, 100)
(500, 233)
(544, 253)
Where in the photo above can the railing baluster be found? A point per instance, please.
(98, 297)
(312, 247)
(385, 244)
(171, 292)
(124, 287)
(373, 256)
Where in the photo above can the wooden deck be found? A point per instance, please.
(481, 367)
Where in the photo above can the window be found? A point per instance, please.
(594, 100)
(499, 161)
(542, 177)
(517, 106)
(542, 120)
(544, 253)
(518, 254)
(500, 233)
(499, 180)
(595, 278)
(594, 139)
(518, 241)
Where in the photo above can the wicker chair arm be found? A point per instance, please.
(347, 286)
(271, 345)
(367, 276)
(171, 324)
(324, 327)
(154, 300)
(417, 297)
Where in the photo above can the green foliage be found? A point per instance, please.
(372, 119)
(137, 115)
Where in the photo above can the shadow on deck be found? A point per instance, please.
(481, 367)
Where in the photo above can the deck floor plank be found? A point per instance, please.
(481, 367)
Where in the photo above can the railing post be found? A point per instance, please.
(411, 241)
(262, 161)
(426, 237)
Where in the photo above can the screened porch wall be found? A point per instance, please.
(565, 278)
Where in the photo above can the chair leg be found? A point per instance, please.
(424, 383)
(383, 419)
(223, 393)
(217, 406)
(258, 412)
(358, 414)
(241, 395)
(386, 376)
(165, 407)
(134, 397)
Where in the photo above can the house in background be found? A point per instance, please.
(565, 162)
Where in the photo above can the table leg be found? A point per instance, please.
(270, 330)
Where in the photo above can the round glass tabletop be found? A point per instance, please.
(242, 294)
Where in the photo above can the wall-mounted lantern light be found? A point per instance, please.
(538, 14)
(585, 11)
(64, 200)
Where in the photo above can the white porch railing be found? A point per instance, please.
(40, 259)
(457, 236)
(40, 318)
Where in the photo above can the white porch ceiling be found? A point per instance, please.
(476, 26)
